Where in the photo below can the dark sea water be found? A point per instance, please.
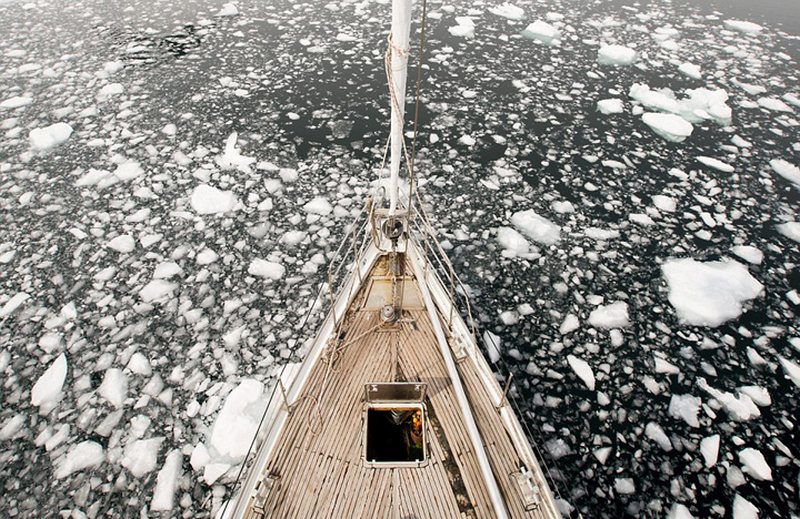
(302, 84)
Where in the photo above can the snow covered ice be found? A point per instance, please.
(669, 126)
(616, 55)
(709, 293)
(50, 136)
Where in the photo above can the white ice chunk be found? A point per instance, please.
(465, 27)
(166, 270)
(514, 244)
(47, 390)
(507, 10)
(266, 269)
(210, 200)
(124, 243)
(50, 136)
(716, 164)
(494, 345)
(690, 69)
(543, 32)
(789, 229)
(13, 303)
(140, 456)
(686, 408)
(679, 511)
(318, 205)
(748, 253)
(167, 482)
(774, 104)
(610, 106)
(157, 290)
(710, 293)
(614, 315)
(709, 448)
(111, 89)
(741, 408)
(114, 387)
(671, 127)
(791, 369)
(657, 434)
(82, 456)
(743, 26)
(753, 463)
(535, 227)
(624, 486)
(616, 55)
(583, 370)
(787, 170)
(228, 9)
(744, 509)
(231, 158)
(237, 422)
(570, 324)
(16, 102)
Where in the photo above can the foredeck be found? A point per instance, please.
(318, 457)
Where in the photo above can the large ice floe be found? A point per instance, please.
(210, 200)
(543, 32)
(616, 55)
(709, 293)
(536, 227)
(669, 126)
(50, 136)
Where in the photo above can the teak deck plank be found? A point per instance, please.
(321, 472)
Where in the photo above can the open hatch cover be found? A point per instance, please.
(395, 392)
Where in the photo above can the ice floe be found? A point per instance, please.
(49, 136)
(614, 315)
(686, 408)
(709, 293)
(787, 170)
(16, 102)
(157, 290)
(140, 456)
(743, 26)
(610, 106)
(536, 227)
(232, 158)
(167, 482)
(754, 464)
(583, 370)
(709, 448)
(81, 456)
(669, 126)
(266, 269)
(114, 388)
(744, 509)
(789, 229)
(210, 200)
(507, 10)
(616, 55)
(543, 32)
(47, 390)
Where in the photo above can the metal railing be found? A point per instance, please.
(340, 265)
(445, 273)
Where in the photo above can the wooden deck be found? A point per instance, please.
(318, 457)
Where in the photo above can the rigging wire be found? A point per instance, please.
(420, 63)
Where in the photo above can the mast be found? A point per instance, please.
(398, 43)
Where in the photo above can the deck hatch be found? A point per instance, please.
(395, 392)
(395, 424)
